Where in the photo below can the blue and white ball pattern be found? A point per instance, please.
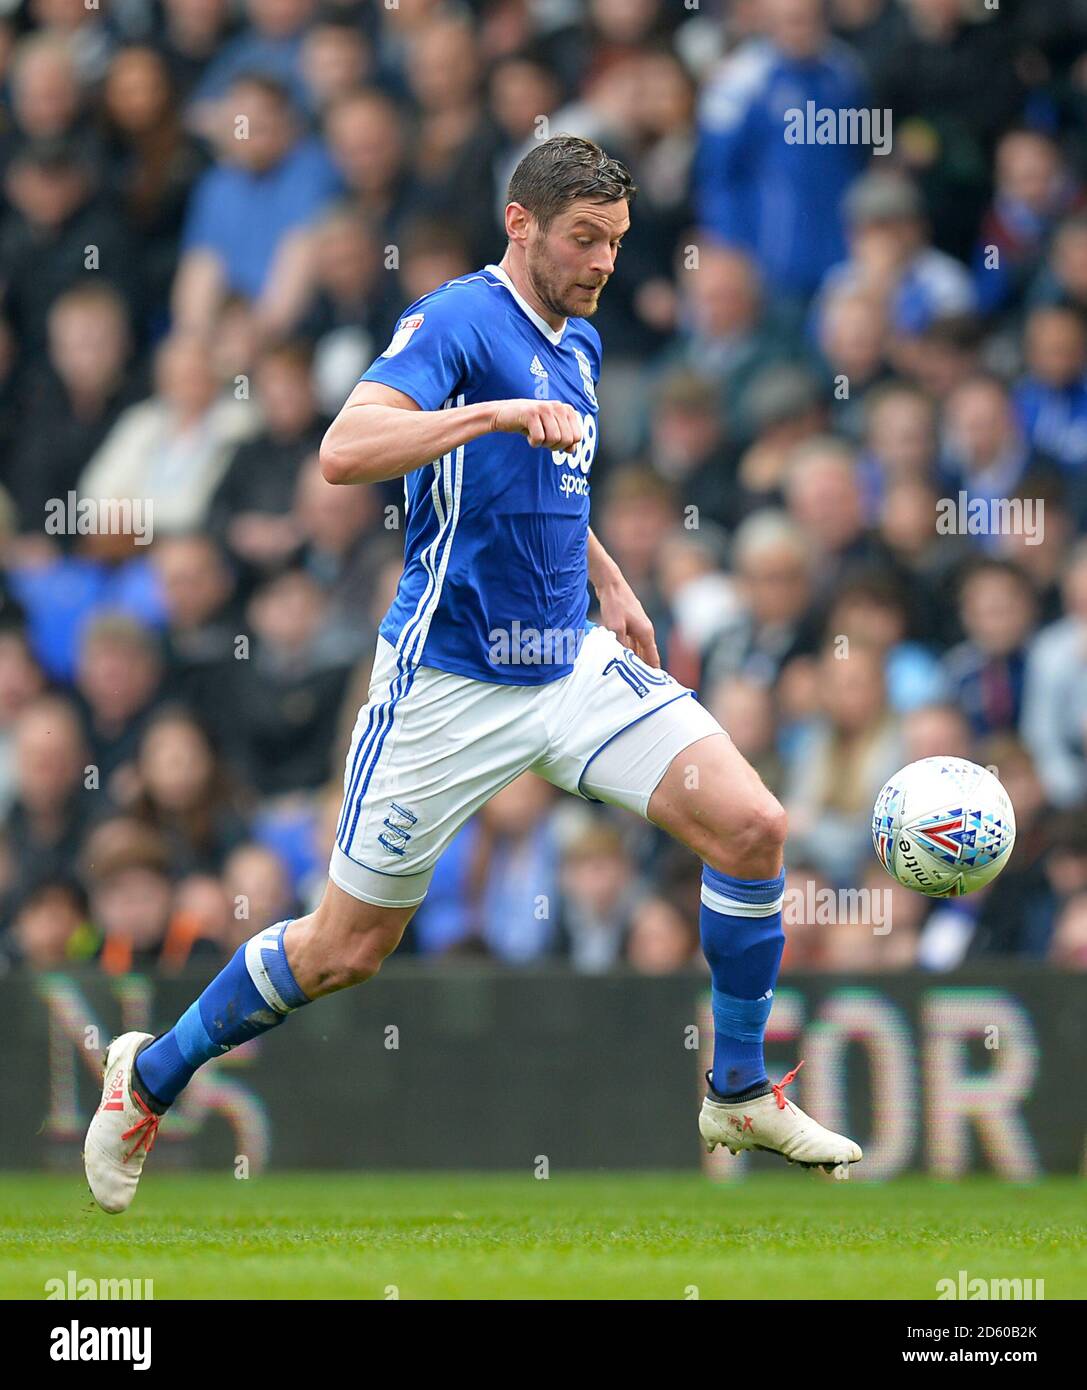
(943, 826)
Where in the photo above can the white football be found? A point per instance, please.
(943, 826)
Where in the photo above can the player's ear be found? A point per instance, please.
(518, 222)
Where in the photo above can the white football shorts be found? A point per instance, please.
(430, 747)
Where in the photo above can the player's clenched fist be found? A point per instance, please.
(546, 424)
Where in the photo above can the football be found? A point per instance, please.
(943, 826)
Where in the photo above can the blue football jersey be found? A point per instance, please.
(495, 582)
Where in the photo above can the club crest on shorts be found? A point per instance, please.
(397, 823)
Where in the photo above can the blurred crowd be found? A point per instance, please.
(843, 452)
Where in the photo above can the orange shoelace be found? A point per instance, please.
(779, 1088)
(147, 1129)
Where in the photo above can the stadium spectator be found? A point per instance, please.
(518, 872)
(118, 679)
(53, 809)
(661, 939)
(873, 608)
(852, 748)
(272, 45)
(1015, 916)
(784, 407)
(774, 572)
(367, 139)
(1062, 277)
(173, 449)
(250, 511)
(287, 691)
(126, 868)
(258, 890)
(431, 252)
(347, 316)
(823, 496)
(341, 548)
(899, 441)
(201, 626)
(954, 86)
(891, 258)
(638, 512)
(599, 894)
(337, 58)
(186, 795)
(72, 398)
(724, 333)
(56, 231)
(936, 731)
(21, 682)
(248, 229)
(188, 34)
(985, 672)
(153, 166)
(754, 188)
(1054, 720)
(690, 447)
(1069, 948)
(1034, 188)
(454, 141)
(701, 600)
(1051, 399)
(985, 454)
(47, 99)
(743, 708)
(51, 930)
(851, 332)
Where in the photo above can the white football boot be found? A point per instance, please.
(122, 1132)
(775, 1125)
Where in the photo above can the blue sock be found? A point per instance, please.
(742, 939)
(255, 991)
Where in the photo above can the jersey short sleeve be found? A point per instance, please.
(438, 344)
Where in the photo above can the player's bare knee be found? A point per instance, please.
(754, 849)
(364, 953)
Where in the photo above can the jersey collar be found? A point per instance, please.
(553, 335)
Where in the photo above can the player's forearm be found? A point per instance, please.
(604, 573)
(369, 443)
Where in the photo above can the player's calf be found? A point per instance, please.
(344, 942)
(278, 971)
(728, 817)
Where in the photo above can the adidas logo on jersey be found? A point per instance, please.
(537, 368)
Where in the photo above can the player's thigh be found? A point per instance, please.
(713, 801)
(429, 748)
(617, 725)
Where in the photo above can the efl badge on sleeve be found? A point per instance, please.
(402, 337)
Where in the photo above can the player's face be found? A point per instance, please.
(572, 261)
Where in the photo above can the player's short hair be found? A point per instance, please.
(559, 171)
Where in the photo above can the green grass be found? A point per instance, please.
(506, 1235)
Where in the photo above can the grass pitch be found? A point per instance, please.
(492, 1236)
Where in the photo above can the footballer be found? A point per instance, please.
(484, 402)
